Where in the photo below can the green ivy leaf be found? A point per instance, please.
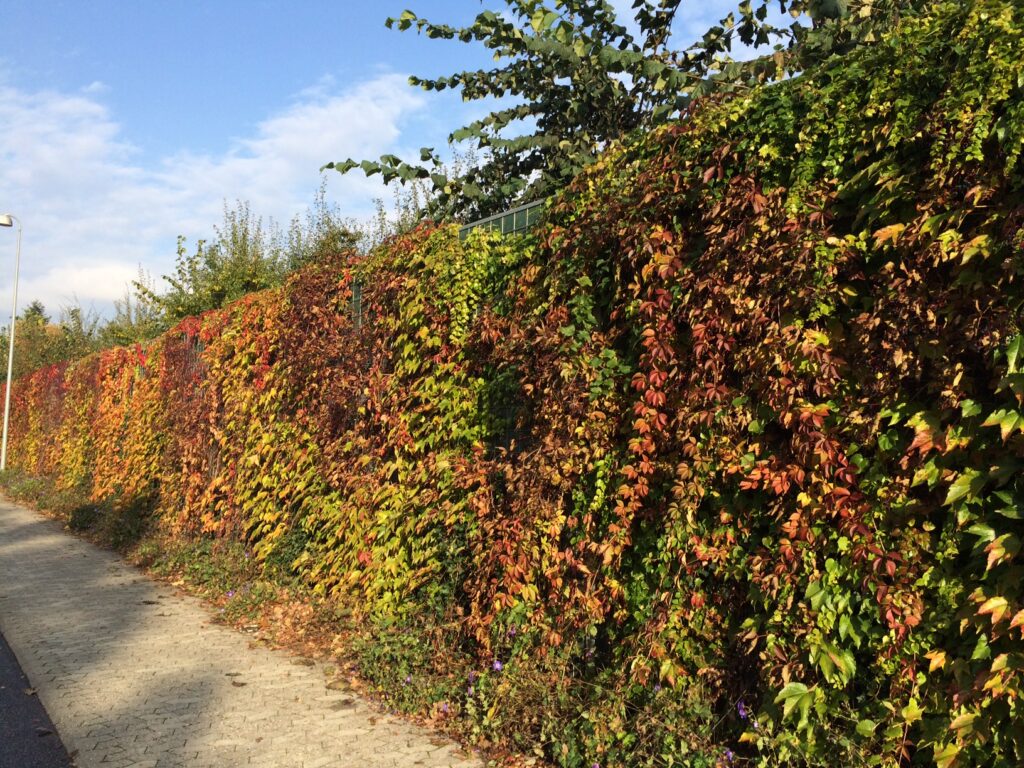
(1013, 351)
(912, 712)
(945, 755)
(790, 696)
(966, 486)
(866, 728)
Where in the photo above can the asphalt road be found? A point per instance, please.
(27, 737)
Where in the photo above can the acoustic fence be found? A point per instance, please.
(726, 454)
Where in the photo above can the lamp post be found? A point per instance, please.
(7, 220)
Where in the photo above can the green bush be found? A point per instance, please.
(723, 464)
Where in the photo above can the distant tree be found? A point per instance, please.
(581, 79)
(34, 340)
(243, 256)
(38, 341)
(78, 333)
(321, 231)
(136, 316)
(237, 261)
(411, 203)
(35, 313)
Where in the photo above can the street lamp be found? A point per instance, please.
(7, 220)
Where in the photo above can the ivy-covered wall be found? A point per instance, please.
(724, 464)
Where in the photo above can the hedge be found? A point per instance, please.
(721, 464)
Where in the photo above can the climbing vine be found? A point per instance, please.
(723, 464)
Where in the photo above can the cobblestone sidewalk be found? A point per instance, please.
(134, 674)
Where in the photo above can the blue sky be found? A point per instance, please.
(124, 123)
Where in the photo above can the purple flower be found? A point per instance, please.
(469, 691)
(757, 725)
(742, 710)
(596, 765)
(657, 687)
(729, 755)
(408, 679)
(497, 666)
(231, 593)
(472, 677)
(511, 631)
(444, 707)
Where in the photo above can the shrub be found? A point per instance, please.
(724, 463)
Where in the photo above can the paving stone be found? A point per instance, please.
(135, 676)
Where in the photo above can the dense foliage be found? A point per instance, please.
(573, 75)
(726, 464)
(40, 341)
(244, 255)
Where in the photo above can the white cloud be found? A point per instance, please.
(94, 208)
(106, 280)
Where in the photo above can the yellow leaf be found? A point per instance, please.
(667, 672)
(912, 712)
(890, 233)
(963, 722)
(994, 683)
(996, 606)
(937, 659)
(945, 757)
